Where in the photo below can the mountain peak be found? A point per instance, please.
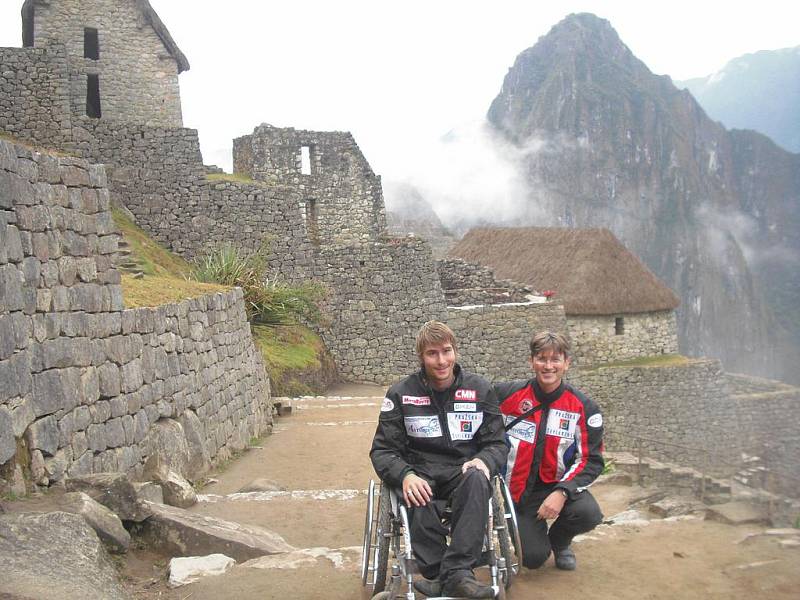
(582, 55)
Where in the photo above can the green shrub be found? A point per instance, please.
(267, 300)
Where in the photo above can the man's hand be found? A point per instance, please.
(552, 505)
(416, 491)
(476, 463)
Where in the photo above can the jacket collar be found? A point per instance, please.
(545, 398)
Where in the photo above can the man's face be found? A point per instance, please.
(549, 368)
(438, 361)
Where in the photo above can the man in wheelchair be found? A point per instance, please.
(440, 438)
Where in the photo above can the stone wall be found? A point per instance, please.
(767, 425)
(138, 76)
(34, 96)
(341, 198)
(84, 383)
(645, 334)
(686, 416)
(494, 341)
(158, 174)
(466, 283)
(381, 294)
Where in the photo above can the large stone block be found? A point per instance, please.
(105, 523)
(43, 435)
(8, 445)
(11, 280)
(40, 553)
(110, 380)
(166, 443)
(114, 491)
(181, 533)
(57, 389)
(66, 352)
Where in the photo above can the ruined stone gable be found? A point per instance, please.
(122, 62)
(341, 199)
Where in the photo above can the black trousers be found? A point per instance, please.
(468, 497)
(578, 516)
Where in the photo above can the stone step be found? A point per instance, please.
(179, 532)
(671, 475)
(737, 513)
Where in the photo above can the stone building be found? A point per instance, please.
(123, 64)
(616, 308)
(341, 198)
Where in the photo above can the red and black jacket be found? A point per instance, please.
(557, 446)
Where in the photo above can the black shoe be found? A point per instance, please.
(467, 586)
(428, 587)
(565, 559)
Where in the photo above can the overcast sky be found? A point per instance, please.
(400, 74)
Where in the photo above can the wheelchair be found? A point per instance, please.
(387, 533)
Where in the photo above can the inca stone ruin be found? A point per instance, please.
(84, 382)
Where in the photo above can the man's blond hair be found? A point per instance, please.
(550, 340)
(434, 333)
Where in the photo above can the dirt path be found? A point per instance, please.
(319, 456)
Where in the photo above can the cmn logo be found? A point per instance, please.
(466, 395)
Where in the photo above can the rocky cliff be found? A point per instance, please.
(714, 213)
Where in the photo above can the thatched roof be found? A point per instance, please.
(590, 270)
(149, 15)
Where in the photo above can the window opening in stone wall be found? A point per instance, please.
(312, 214)
(619, 326)
(305, 160)
(93, 96)
(91, 44)
(28, 13)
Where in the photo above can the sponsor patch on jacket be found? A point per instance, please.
(466, 394)
(465, 406)
(524, 430)
(417, 400)
(595, 420)
(525, 405)
(561, 423)
(423, 427)
(387, 405)
(463, 425)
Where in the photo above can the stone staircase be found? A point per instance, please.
(125, 261)
(682, 480)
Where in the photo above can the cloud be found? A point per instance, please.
(471, 175)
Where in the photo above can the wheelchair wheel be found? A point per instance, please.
(366, 547)
(382, 540)
(506, 532)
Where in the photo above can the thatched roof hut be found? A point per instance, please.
(590, 270)
(150, 16)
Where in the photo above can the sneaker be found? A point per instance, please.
(467, 586)
(565, 559)
(428, 587)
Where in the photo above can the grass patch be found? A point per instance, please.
(35, 148)
(155, 290)
(288, 351)
(235, 178)
(662, 360)
(150, 258)
(287, 347)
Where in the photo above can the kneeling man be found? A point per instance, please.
(556, 436)
(440, 438)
